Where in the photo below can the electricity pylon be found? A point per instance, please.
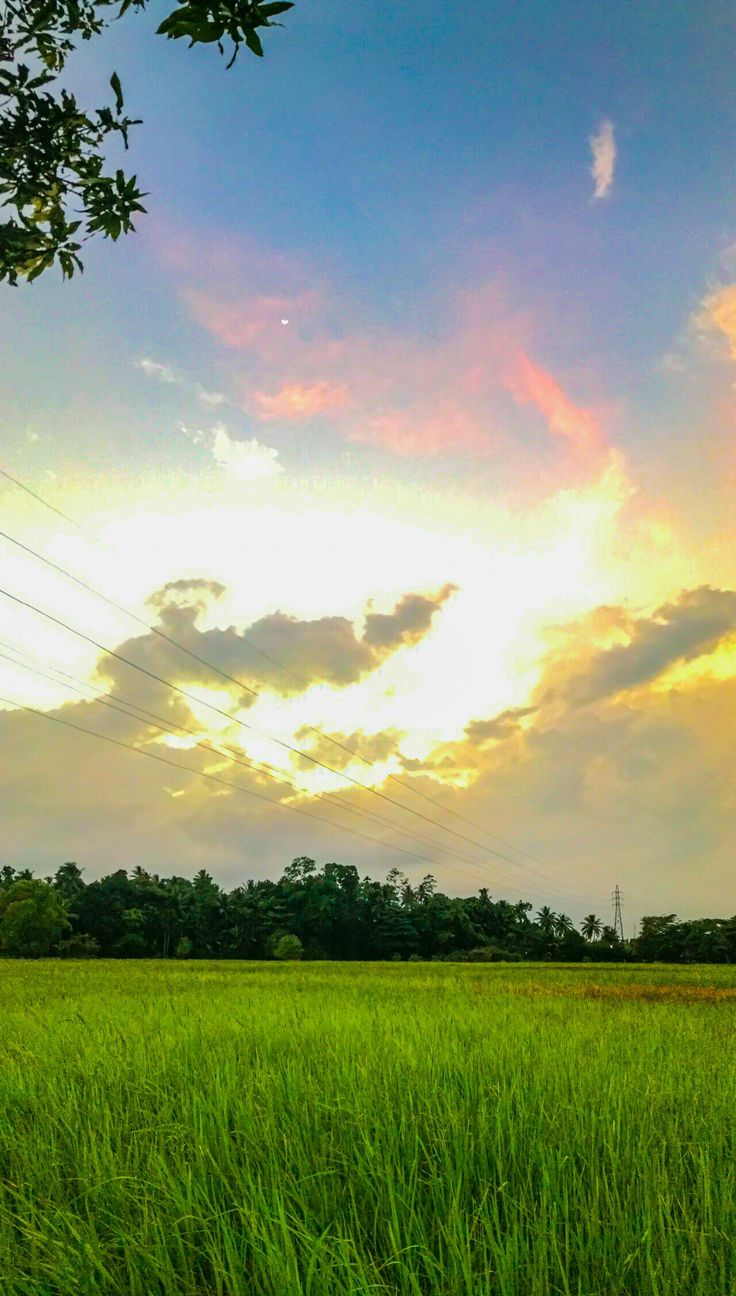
(618, 922)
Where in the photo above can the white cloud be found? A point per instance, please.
(152, 369)
(165, 374)
(603, 146)
(248, 461)
(210, 397)
(196, 435)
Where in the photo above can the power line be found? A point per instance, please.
(230, 716)
(232, 679)
(159, 722)
(212, 778)
(39, 498)
(541, 872)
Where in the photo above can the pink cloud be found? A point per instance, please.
(410, 393)
(302, 400)
(418, 432)
(254, 323)
(531, 385)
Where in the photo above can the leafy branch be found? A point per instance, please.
(53, 178)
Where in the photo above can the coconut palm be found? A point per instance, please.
(562, 924)
(591, 927)
(546, 919)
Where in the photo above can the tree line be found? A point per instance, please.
(317, 913)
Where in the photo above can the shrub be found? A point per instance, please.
(288, 947)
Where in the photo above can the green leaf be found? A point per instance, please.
(253, 41)
(117, 90)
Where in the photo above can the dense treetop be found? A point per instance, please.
(318, 913)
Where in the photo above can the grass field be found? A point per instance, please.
(325, 1129)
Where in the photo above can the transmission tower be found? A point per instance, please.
(618, 923)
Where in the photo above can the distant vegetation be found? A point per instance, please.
(318, 913)
(276, 1129)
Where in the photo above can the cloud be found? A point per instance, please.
(498, 727)
(192, 593)
(278, 652)
(603, 147)
(152, 369)
(342, 750)
(409, 621)
(416, 431)
(301, 400)
(166, 374)
(718, 313)
(210, 397)
(409, 393)
(254, 324)
(535, 386)
(638, 791)
(248, 461)
(677, 631)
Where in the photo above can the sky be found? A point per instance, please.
(410, 408)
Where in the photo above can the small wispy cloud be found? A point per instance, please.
(302, 400)
(248, 461)
(603, 148)
(210, 397)
(161, 372)
(717, 314)
(166, 374)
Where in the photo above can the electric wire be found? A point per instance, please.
(175, 643)
(542, 871)
(212, 778)
(159, 722)
(231, 716)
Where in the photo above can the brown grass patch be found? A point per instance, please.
(662, 994)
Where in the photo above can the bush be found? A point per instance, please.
(288, 947)
(183, 948)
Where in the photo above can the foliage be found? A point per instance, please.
(32, 918)
(334, 913)
(422, 1129)
(287, 948)
(54, 179)
(79, 946)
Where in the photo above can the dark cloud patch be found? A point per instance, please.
(335, 749)
(678, 631)
(279, 652)
(195, 591)
(409, 621)
(498, 727)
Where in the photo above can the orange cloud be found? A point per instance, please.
(531, 385)
(302, 400)
(410, 432)
(719, 312)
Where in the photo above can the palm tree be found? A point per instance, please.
(591, 927)
(562, 924)
(546, 919)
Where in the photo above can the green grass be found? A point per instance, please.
(246, 1129)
